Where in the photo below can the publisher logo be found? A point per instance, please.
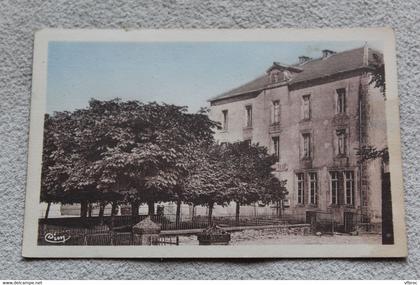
(56, 237)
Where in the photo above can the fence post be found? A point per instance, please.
(85, 237)
(146, 232)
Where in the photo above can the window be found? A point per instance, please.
(276, 146)
(306, 145)
(349, 187)
(248, 110)
(276, 112)
(300, 188)
(342, 181)
(306, 107)
(313, 188)
(287, 75)
(334, 187)
(341, 100)
(225, 120)
(275, 76)
(341, 142)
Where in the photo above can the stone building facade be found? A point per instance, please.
(314, 115)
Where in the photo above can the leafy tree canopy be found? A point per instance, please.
(129, 147)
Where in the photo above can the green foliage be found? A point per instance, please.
(275, 191)
(368, 152)
(250, 171)
(135, 152)
(130, 148)
(378, 73)
(207, 182)
(234, 172)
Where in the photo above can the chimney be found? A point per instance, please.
(326, 53)
(365, 54)
(304, 58)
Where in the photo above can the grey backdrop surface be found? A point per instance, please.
(19, 20)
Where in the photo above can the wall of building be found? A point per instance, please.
(322, 126)
(377, 137)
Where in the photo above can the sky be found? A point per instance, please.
(181, 73)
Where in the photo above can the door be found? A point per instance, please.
(348, 222)
(311, 219)
(387, 225)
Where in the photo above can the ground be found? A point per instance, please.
(253, 237)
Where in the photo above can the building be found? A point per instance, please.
(314, 115)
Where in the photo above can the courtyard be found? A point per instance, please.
(272, 237)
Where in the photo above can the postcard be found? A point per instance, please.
(214, 144)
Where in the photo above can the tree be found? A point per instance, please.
(275, 192)
(236, 172)
(250, 173)
(378, 73)
(208, 181)
(197, 130)
(369, 152)
(53, 174)
(136, 150)
(73, 147)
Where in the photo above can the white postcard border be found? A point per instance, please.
(38, 106)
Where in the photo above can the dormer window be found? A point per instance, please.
(279, 76)
(275, 76)
(303, 59)
(327, 53)
(281, 72)
(287, 75)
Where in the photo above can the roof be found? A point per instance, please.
(278, 65)
(312, 69)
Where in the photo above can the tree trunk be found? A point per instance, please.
(151, 206)
(238, 206)
(193, 212)
(83, 209)
(101, 212)
(178, 212)
(47, 211)
(211, 205)
(90, 210)
(278, 209)
(135, 211)
(281, 209)
(113, 210)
